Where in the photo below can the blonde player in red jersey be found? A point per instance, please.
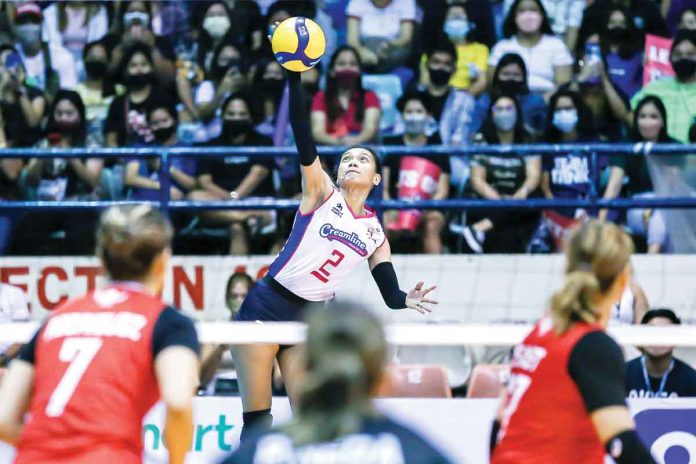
(100, 362)
(565, 400)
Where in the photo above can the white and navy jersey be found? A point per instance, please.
(380, 440)
(324, 247)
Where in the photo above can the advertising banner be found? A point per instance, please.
(657, 63)
(458, 427)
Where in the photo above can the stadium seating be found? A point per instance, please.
(487, 380)
(416, 381)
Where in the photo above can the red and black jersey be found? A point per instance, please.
(95, 378)
(556, 381)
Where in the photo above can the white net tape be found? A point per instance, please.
(289, 333)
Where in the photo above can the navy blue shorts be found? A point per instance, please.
(270, 301)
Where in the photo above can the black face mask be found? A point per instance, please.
(273, 87)
(684, 68)
(221, 69)
(311, 89)
(67, 128)
(511, 87)
(163, 134)
(234, 128)
(439, 77)
(138, 81)
(96, 69)
(617, 34)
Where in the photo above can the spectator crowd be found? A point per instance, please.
(171, 73)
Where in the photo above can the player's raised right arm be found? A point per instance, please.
(316, 184)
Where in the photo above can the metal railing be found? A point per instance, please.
(592, 202)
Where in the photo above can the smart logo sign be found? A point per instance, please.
(207, 437)
(670, 434)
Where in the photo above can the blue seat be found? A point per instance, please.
(388, 89)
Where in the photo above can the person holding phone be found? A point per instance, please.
(22, 105)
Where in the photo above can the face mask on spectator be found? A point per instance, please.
(684, 68)
(617, 34)
(649, 128)
(439, 77)
(29, 34)
(511, 87)
(216, 26)
(565, 120)
(414, 124)
(235, 127)
(505, 119)
(528, 21)
(138, 81)
(347, 78)
(67, 127)
(96, 69)
(136, 17)
(273, 87)
(162, 134)
(456, 29)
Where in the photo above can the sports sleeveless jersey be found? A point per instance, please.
(324, 247)
(94, 379)
(545, 419)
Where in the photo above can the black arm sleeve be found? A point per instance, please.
(597, 366)
(299, 120)
(27, 352)
(173, 328)
(388, 284)
(626, 448)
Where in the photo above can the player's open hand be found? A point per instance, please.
(416, 298)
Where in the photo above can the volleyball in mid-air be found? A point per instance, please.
(298, 43)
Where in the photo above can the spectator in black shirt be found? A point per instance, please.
(502, 177)
(657, 373)
(237, 177)
(647, 19)
(126, 123)
(415, 113)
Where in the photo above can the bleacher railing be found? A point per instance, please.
(592, 202)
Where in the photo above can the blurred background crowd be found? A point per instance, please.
(418, 73)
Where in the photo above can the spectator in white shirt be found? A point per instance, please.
(528, 33)
(14, 307)
(74, 24)
(49, 66)
(382, 31)
(565, 17)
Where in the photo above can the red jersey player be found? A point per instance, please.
(100, 362)
(565, 401)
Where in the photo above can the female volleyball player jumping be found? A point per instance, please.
(333, 233)
(566, 397)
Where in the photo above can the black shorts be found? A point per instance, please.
(270, 301)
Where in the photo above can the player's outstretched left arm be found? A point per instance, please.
(385, 277)
(15, 394)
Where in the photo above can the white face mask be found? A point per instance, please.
(136, 17)
(565, 120)
(505, 120)
(216, 26)
(414, 124)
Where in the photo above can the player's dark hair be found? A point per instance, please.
(596, 254)
(129, 238)
(344, 358)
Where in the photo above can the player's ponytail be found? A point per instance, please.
(344, 355)
(596, 254)
(129, 238)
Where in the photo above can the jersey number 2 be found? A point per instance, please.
(321, 273)
(79, 352)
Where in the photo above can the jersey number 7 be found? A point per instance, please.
(79, 352)
(321, 273)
